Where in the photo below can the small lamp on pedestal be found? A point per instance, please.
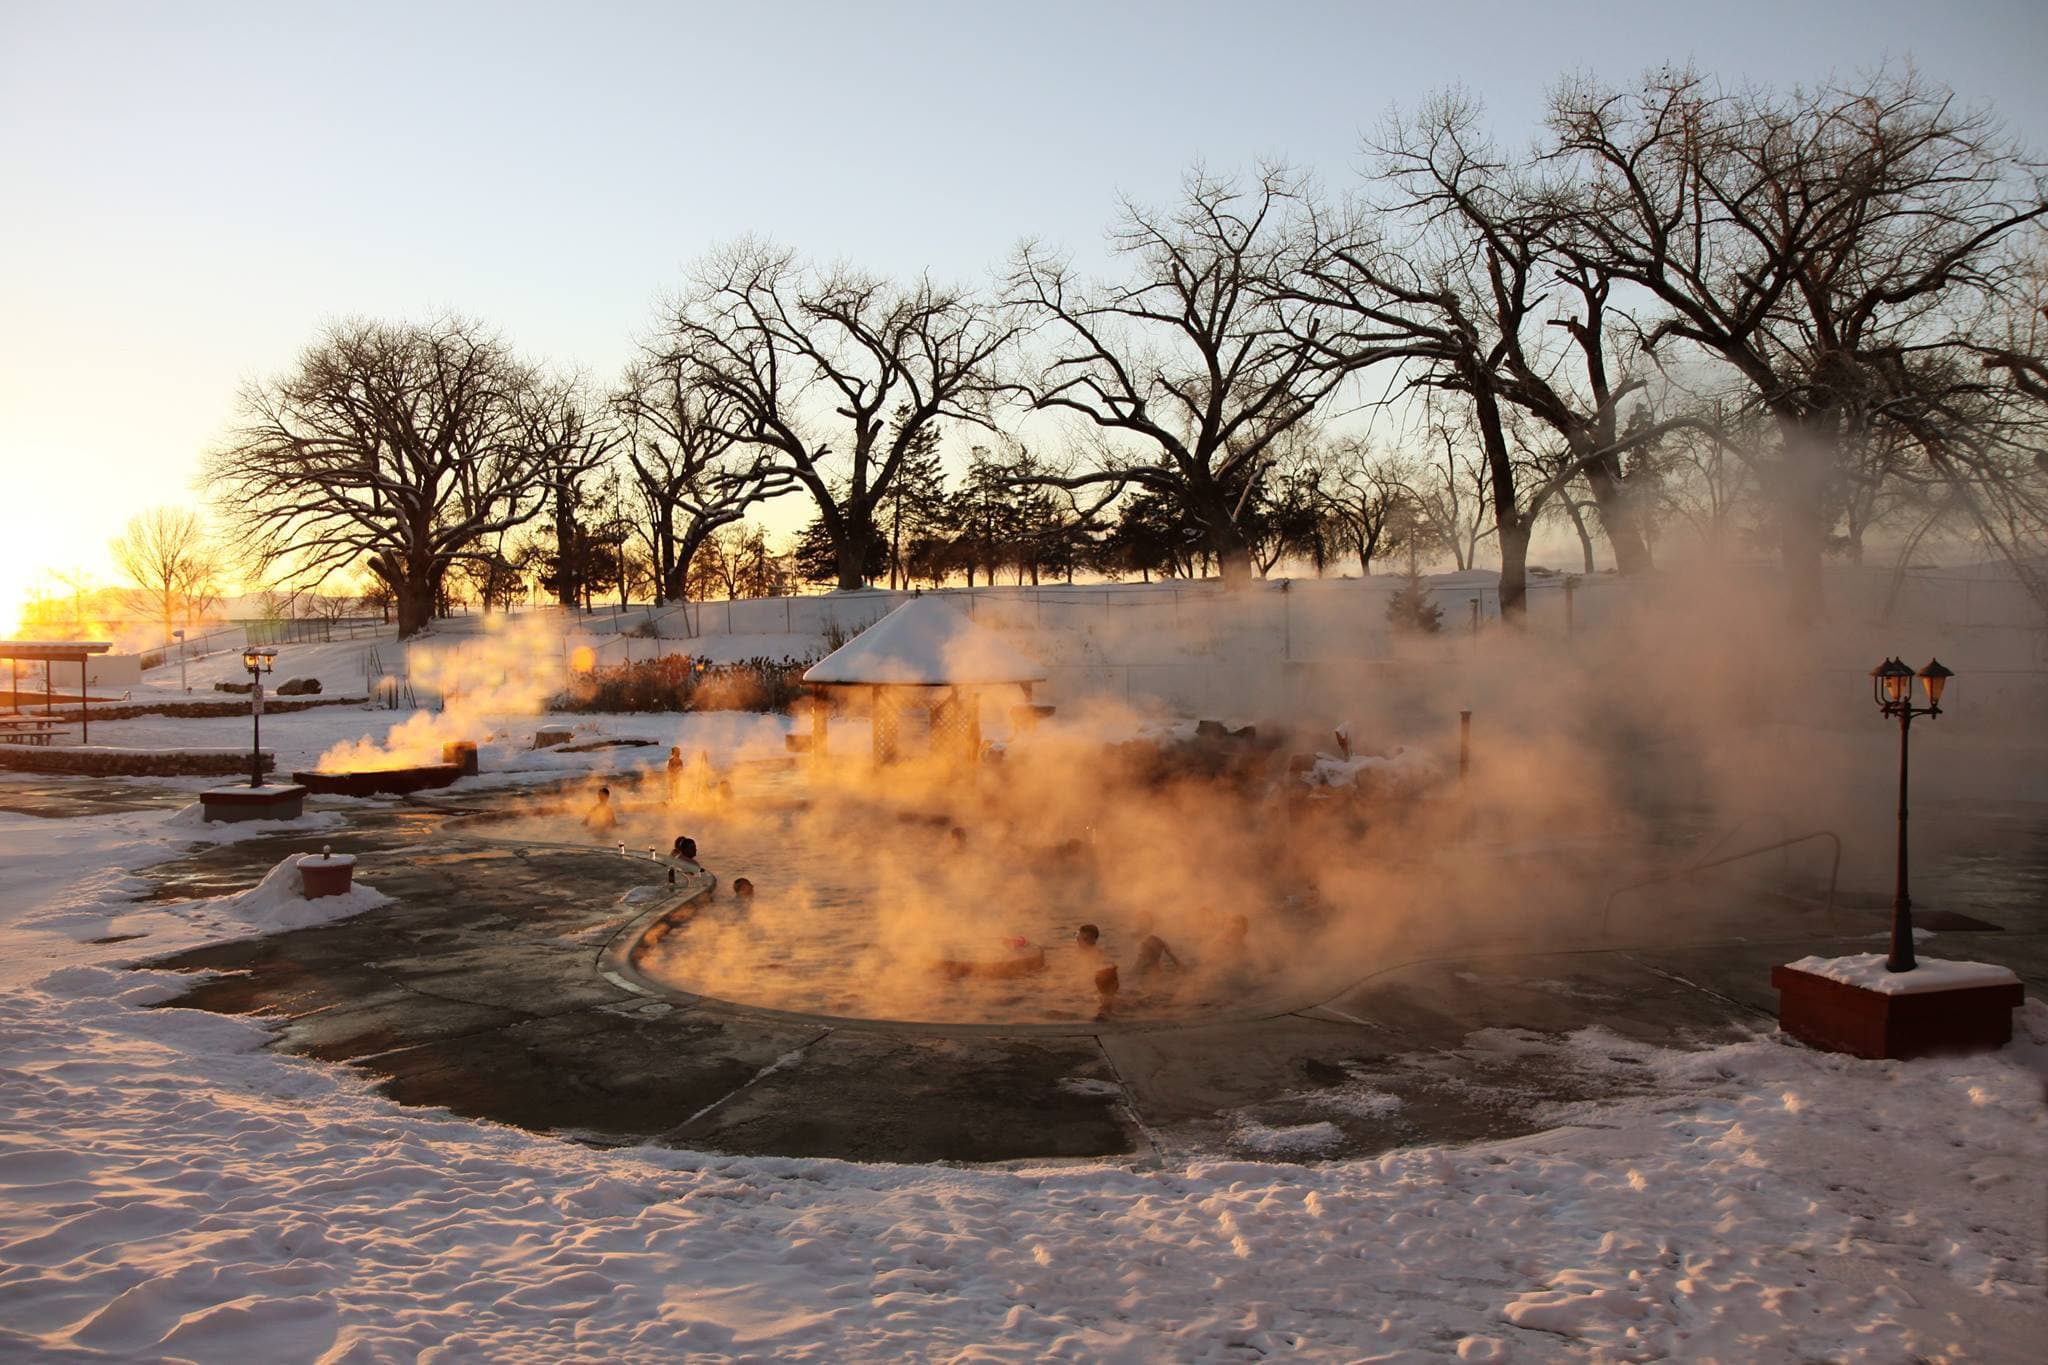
(258, 660)
(1891, 686)
(1909, 1008)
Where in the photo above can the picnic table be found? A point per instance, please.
(30, 729)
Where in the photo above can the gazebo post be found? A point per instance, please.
(84, 706)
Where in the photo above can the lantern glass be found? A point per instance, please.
(1934, 677)
(1891, 682)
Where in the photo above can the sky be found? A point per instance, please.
(192, 191)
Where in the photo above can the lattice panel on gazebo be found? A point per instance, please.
(956, 726)
(888, 728)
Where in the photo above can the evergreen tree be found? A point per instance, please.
(916, 506)
(1412, 610)
(817, 555)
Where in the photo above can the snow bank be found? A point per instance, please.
(192, 825)
(1404, 772)
(278, 902)
(1867, 970)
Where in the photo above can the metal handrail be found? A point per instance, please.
(1834, 871)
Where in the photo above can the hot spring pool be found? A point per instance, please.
(866, 912)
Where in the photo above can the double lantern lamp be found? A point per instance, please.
(1891, 684)
(258, 660)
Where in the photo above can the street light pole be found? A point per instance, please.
(1892, 685)
(258, 662)
(1901, 957)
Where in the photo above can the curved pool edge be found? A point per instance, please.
(617, 962)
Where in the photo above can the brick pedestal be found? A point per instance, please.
(1838, 1017)
(285, 801)
(327, 874)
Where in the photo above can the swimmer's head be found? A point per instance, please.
(743, 888)
(1087, 935)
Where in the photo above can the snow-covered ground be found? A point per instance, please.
(298, 738)
(337, 666)
(169, 1189)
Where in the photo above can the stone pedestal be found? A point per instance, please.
(272, 801)
(327, 874)
(380, 781)
(1849, 1005)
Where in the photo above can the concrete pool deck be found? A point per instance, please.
(478, 990)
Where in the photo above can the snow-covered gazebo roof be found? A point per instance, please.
(926, 642)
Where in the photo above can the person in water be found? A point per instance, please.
(1106, 987)
(600, 818)
(1153, 954)
(685, 848)
(743, 888)
(1088, 939)
(675, 774)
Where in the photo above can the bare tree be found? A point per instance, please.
(1455, 498)
(1198, 363)
(331, 607)
(812, 364)
(1449, 267)
(695, 475)
(169, 557)
(1370, 500)
(397, 447)
(1827, 244)
(574, 441)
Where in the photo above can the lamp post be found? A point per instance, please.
(1891, 684)
(258, 662)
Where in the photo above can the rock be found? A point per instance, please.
(552, 737)
(299, 687)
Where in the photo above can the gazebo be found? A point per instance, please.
(50, 653)
(926, 656)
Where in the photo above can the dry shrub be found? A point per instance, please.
(678, 682)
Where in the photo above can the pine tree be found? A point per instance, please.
(1412, 610)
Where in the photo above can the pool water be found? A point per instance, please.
(868, 912)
